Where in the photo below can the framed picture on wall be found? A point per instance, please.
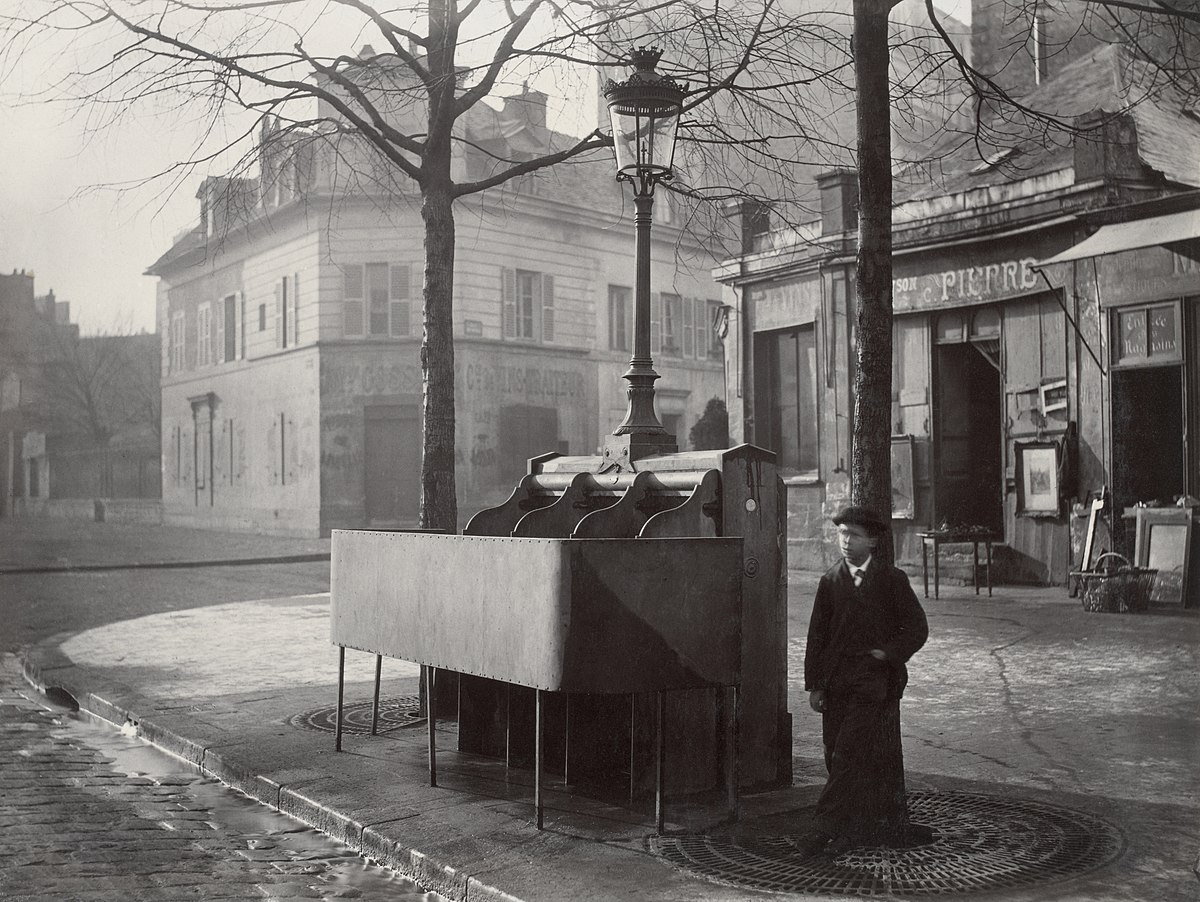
(1164, 540)
(1037, 479)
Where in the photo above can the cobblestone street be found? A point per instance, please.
(78, 823)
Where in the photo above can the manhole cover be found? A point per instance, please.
(403, 711)
(981, 843)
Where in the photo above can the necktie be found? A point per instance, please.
(858, 576)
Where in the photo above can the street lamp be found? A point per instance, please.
(645, 111)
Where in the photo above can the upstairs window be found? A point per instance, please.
(527, 305)
(377, 300)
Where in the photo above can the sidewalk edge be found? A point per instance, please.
(37, 664)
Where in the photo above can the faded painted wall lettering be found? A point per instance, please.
(966, 285)
(373, 379)
(783, 304)
(526, 382)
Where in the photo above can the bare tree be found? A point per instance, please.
(99, 386)
(750, 116)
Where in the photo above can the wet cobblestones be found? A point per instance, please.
(73, 827)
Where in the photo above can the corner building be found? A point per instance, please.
(291, 321)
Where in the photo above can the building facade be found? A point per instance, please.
(291, 333)
(1021, 386)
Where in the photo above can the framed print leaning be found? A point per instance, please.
(1037, 479)
(1164, 542)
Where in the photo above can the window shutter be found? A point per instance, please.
(295, 318)
(166, 347)
(655, 323)
(240, 304)
(702, 330)
(278, 315)
(689, 344)
(399, 292)
(353, 321)
(508, 302)
(547, 308)
(219, 329)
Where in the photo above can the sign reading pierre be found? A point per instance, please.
(797, 302)
(965, 285)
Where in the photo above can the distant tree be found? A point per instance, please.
(398, 114)
(98, 386)
(711, 431)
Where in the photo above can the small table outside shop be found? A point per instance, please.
(976, 535)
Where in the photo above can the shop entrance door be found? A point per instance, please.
(392, 465)
(968, 407)
(1148, 435)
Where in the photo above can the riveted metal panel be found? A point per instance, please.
(585, 615)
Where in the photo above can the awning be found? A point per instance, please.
(1128, 236)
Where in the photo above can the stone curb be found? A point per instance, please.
(169, 565)
(38, 663)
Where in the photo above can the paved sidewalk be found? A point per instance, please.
(59, 543)
(1072, 720)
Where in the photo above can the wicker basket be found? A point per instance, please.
(1114, 586)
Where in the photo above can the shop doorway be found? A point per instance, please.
(392, 465)
(1147, 435)
(968, 436)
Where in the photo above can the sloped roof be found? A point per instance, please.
(1022, 146)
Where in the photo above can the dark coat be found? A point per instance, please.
(848, 621)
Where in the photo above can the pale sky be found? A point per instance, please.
(72, 208)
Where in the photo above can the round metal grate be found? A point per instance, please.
(394, 713)
(981, 843)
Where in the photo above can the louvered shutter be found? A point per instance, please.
(655, 323)
(353, 321)
(508, 302)
(294, 321)
(279, 314)
(240, 304)
(399, 298)
(689, 344)
(166, 347)
(547, 308)
(702, 327)
(219, 329)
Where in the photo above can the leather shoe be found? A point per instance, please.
(839, 845)
(812, 843)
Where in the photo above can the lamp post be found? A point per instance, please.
(645, 111)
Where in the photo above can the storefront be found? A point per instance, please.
(1138, 284)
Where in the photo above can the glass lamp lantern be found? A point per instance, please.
(645, 112)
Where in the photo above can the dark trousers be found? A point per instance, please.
(864, 796)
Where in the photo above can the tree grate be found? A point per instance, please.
(394, 713)
(981, 844)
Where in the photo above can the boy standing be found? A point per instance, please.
(866, 623)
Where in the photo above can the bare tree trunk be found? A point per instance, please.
(871, 471)
(439, 504)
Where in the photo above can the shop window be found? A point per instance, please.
(950, 328)
(786, 388)
(1146, 335)
(985, 323)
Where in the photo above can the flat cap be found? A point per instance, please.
(864, 517)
